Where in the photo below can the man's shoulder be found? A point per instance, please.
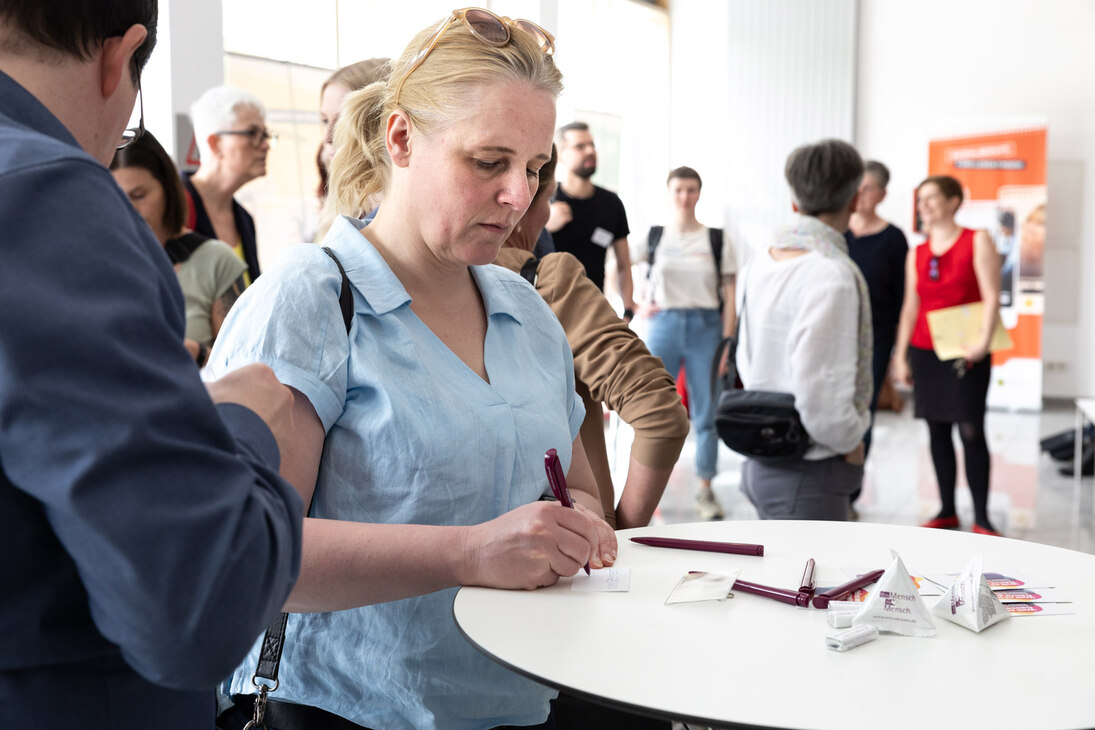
(59, 185)
(26, 150)
(606, 194)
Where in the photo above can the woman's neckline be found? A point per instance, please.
(950, 242)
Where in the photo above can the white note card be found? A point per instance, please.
(605, 580)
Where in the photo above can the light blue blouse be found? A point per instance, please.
(413, 436)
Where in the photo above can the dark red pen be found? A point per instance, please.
(841, 591)
(794, 598)
(558, 482)
(736, 548)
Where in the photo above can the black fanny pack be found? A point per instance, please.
(760, 424)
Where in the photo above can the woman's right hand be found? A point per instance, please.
(901, 372)
(531, 546)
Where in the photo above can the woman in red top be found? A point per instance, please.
(954, 266)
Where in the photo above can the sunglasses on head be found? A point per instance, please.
(494, 30)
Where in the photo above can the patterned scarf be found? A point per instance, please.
(810, 234)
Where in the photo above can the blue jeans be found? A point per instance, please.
(691, 336)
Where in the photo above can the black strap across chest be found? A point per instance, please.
(273, 641)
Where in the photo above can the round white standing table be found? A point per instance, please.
(753, 662)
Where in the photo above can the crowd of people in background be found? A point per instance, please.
(377, 405)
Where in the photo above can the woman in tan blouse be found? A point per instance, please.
(611, 365)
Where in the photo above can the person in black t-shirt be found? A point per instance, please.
(586, 219)
(879, 249)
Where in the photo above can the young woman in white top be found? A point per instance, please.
(686, 323)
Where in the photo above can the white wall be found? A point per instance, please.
(614, 55)
(921, 64)
(752, 80)
(187, 60)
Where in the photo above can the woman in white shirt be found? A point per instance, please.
(806, 330)
(691, 274)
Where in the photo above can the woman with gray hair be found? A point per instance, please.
(231, 134)
(806, 330)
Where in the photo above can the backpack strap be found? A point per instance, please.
(731, 345)
(345, 296)
(179, 249)
(653, 238)
(716, 251)
(528, 270)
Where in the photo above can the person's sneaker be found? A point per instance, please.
(707, 507)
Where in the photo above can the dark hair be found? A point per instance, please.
(561, 133)
(547, 175)
(684, 173)
(78, 28)
(948, 186)
(145, 152)
(824, 177)
(879, 171)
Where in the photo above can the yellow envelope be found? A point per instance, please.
(956, 328)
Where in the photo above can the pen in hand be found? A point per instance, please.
(558, 483)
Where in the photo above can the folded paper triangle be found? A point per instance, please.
(969, 602)
(896, 605)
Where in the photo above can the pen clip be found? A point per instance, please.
(808, 584)
(556, 478)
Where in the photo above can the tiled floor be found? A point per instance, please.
(1028, 498)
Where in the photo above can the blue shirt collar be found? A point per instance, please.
(374, 279)
(22, 107)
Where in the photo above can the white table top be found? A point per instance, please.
(1087, 407)
(756, 662)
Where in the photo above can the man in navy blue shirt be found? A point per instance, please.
(147, 537)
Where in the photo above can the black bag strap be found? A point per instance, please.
(179, 249)
(270, 654)
(345, 296)
(731, 345)
(653, 238)
(273, 641)
(528, 270)
(715, 235)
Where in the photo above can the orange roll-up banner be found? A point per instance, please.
(1003, 173)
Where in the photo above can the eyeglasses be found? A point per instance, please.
(494, 30)
(933, 268)
(130, 135)
(257, 135)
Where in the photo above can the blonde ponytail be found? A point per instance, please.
(361, 166)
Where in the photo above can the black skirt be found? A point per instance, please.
(943, 393)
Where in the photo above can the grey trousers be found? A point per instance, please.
(801, 490)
